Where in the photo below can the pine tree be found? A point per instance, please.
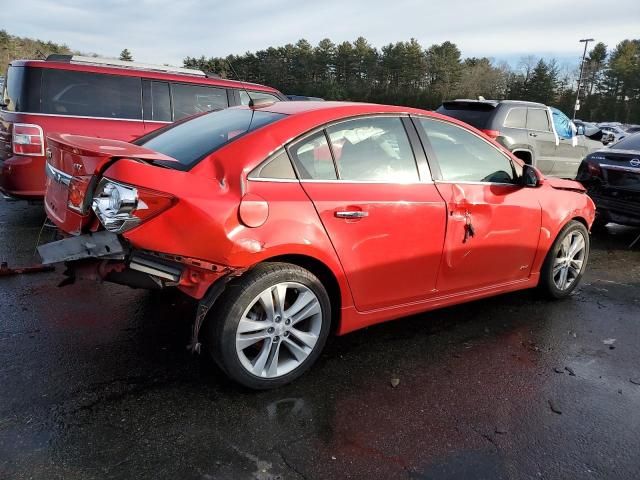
(125, 55)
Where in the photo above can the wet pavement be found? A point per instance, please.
(95, 382)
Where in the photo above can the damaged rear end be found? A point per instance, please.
(96, 212)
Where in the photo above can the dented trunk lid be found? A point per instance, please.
(74, 165)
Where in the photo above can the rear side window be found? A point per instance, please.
(516, 118)
(192, 140)
(22, 89)
(156, 99)
(537, 119)
(191, 99)
(277, 167)
(373, 149)
(67, 92)
(244, 97)
(312, 156)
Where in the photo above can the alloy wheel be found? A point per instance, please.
(279, 330)
(569, 260)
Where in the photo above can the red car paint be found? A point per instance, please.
(408, 255)
(23, 176)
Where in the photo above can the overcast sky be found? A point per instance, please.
(165, 31)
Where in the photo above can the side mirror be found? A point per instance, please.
(531, 177)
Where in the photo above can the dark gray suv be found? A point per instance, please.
(540, 135)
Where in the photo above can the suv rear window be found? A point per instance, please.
(192, 140)
(476, 114)
(22, 89)
(516, 118)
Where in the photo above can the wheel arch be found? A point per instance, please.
(324, 274)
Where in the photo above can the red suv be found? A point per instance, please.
(290, 219)
(101, 98)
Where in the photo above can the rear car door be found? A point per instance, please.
(382, 212)
(542, 139)
(493, 223)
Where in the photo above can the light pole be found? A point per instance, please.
(584, 54)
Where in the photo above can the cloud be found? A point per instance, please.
(166, 31)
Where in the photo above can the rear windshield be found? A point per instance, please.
(475, 114)
(192, 140)
(628, 143)
(22, 89)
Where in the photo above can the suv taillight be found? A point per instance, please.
(28, 139)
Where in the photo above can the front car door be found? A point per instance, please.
(493, 223)
(380, 208)
(542, 138)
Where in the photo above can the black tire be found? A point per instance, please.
(219, 331)
(547, 284)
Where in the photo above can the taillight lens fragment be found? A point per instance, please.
(121, 207)
(28, 139)
(78, 187)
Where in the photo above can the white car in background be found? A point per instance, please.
(618, 132)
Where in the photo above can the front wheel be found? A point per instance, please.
(270, 325)
(566, 261)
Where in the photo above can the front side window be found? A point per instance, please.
(192, 140)
(465, 157)
(191, 99)
(245, 97)
(68, 92)
(537, 119)
(373, 149)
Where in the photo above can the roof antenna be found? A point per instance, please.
(235, 74)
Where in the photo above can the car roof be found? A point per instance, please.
(493, 103)
(294, 107)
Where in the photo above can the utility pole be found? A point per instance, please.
(584, 54)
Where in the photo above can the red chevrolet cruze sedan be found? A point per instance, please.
(290, 220)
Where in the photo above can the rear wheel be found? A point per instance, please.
(270, 325)
(566, 261)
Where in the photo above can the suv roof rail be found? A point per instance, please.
(112, 62)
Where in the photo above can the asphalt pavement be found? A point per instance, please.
(96, 382)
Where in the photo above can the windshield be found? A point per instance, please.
(628, 143)
(192, 140)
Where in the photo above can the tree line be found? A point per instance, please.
(405, 73)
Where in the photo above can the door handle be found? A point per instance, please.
(351, 214)
(533, 134)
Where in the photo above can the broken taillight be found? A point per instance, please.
(121, 207)
(28, 139)
(78, 187)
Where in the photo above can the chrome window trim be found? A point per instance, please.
(76, 116)
(466, 182)
(57, 175)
